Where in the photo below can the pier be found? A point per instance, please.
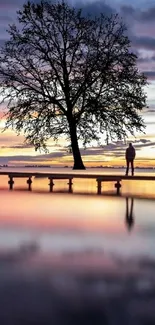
(100, 179)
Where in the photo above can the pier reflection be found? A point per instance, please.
(129, 217)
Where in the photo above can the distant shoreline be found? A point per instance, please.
(66, 167)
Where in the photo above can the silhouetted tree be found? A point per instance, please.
(63, 73)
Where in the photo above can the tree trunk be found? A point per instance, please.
(78, 163)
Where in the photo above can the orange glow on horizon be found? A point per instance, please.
(12, 145)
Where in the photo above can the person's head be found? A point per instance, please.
(130, 144)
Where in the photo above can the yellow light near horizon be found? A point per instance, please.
(10, 147)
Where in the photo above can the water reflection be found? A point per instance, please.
(61, 265)
(43, 295)
(129, 218)
(22, 253)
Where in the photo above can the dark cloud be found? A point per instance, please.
(18, 146)
(144, 42)
(25, 145)
(2, 42)
(151, 110)
(57, 154)
(119, 149)
(116, 149)
(150, 74)
(147, 15)
(141, 15)
(11, 7)
(34, 159)
(5, 19)
(145, 141)
(145, 59)
(10, 3)
(94, 8)
(127, 10)
(145, 144)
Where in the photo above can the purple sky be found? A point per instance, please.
(139, 16)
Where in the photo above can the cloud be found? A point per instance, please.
(25, 145)
(127, 10)
(18, 146)
(11, 4)
(151, 110)
(147, 15)
(116, 150)
(150, 74)
(144, 144)
(144, 141)
(141, 15)
(144, 42)
(140, 42)
(145, 59)
(34, 159)
(94, 8)
(5, 19)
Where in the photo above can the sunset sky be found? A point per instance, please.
(139, 16)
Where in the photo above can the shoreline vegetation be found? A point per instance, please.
(90, 167)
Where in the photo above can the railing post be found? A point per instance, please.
(70, 190)
(11, 182)
(118, 186)
(51, 184)
(29, 182)
(99, 186)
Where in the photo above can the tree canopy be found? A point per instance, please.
(65, 73)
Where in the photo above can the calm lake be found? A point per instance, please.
(77, 258)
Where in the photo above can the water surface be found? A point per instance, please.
(76, 259)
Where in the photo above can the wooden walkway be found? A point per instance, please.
(100, 178)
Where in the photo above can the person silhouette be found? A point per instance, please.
(129, 219)
(130, 156)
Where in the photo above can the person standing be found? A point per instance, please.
(130, 156)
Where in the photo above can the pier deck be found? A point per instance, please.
(100, 178)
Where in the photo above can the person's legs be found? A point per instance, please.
(132, 167)
(127, 167)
